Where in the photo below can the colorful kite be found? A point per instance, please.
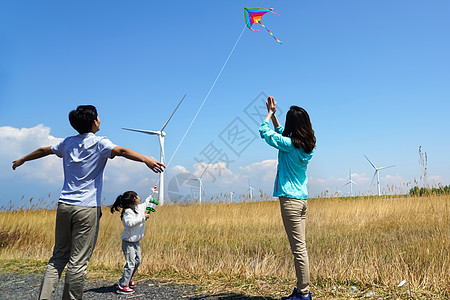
(254, 15)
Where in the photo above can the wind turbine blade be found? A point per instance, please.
(345, 184)
(370, 162)
(386, 167)
(165, 124)
(373, 178)
(351, 181)
(143, 131)
(204, 171)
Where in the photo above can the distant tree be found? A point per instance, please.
(427, 191)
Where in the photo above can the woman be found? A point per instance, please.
(295, 144)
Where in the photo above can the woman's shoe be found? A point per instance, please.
(297, 296)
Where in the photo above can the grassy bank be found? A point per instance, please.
(367, 245)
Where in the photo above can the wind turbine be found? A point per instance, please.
(199, 183)
(351, 182)
(250, 190)
(231, 195)
(377, 173)
(161, 134)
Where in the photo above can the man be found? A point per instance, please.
(78, 214)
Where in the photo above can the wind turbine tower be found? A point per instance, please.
(250, 190)
(199, 183)
(231, 195)
(351, 182)
(161, 134)
(377, 173)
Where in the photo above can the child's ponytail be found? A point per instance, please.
(124, 201)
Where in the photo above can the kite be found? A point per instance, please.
(254, 15)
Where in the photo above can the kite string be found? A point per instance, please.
(207, 95)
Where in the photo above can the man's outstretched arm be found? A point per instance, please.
(153, 164)
(38, 153)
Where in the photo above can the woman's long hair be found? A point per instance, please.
(298, 127)
(124, 201)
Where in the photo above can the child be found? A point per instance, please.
(295, 144)
(84, 159)
(133, 217)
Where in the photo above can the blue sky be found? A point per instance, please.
(373, 76)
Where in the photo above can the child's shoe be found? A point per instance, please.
(132, 284)
(125, 290)
(297, 296)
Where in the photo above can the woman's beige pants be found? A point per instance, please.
(293, 212)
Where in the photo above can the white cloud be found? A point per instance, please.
(120, 171)
(27, 136)
(263, 171)
(15, 143)
(122, 175)
(178, 169)
(220, 179)
(360, 178)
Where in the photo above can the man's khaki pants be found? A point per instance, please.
(75, 237)
(293, 212)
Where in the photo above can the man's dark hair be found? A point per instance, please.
(82, 118)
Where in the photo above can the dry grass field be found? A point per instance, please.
(358, 247)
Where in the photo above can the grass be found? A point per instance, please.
(371, 244)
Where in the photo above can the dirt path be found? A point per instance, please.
(23, 287)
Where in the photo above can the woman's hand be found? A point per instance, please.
(271, 105)
(271, 109)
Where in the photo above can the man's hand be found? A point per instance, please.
(38, 153)
(154, 165)
(17, 163)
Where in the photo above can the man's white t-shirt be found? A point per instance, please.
(84, 160)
